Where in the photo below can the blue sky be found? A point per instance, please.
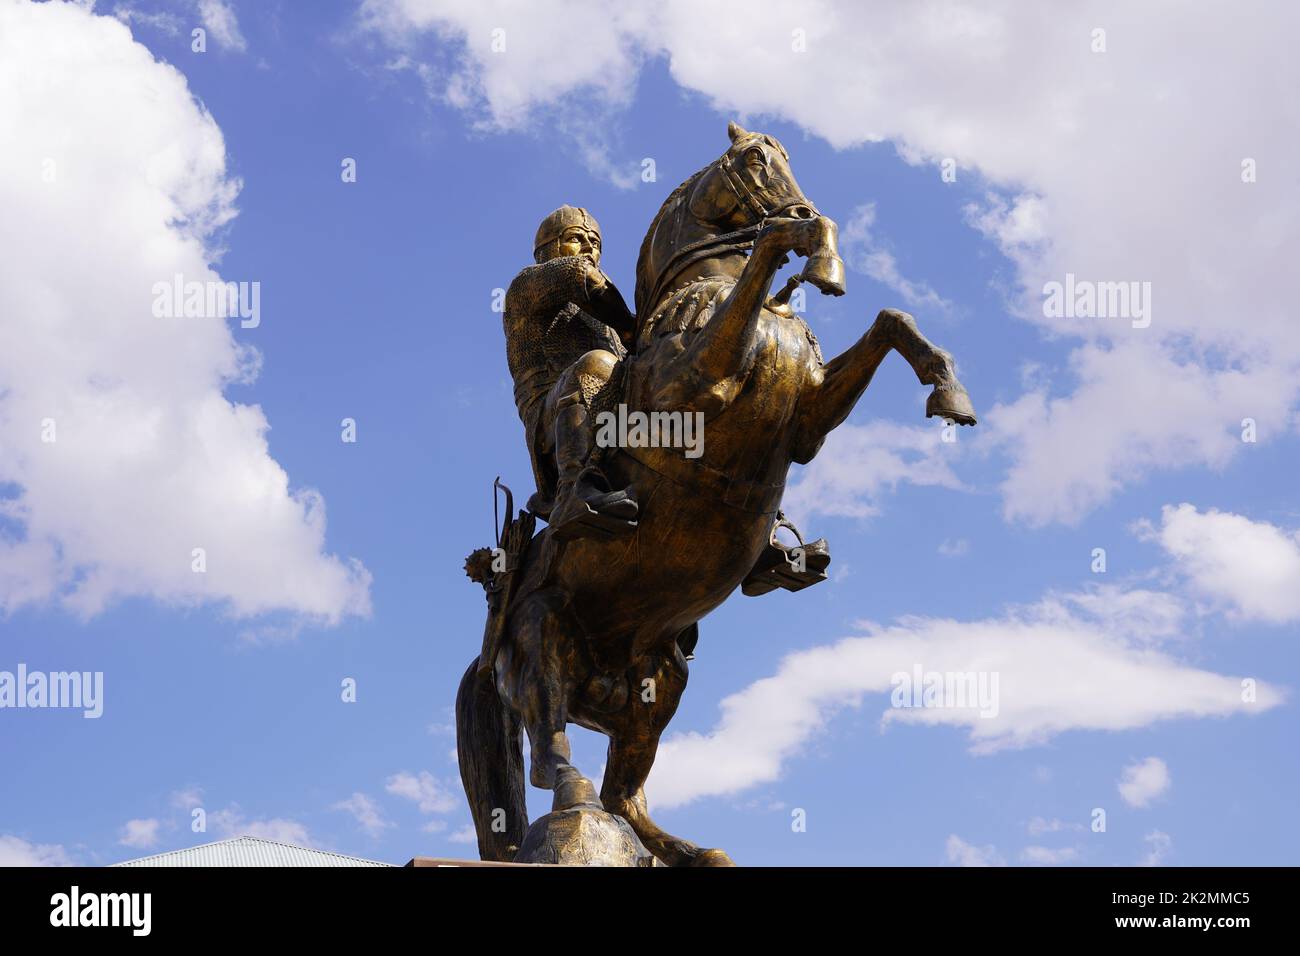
(1120, 690)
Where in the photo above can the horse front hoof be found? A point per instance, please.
(712, 858)
(573, 790)
(950, 402)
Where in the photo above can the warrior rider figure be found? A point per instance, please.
(567, 331)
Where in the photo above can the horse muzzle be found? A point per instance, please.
(825, 268)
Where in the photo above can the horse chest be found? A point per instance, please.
(782, 360)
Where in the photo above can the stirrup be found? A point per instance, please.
(792, 568)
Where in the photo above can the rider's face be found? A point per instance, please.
(577, 241)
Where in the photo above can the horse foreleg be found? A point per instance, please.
(932, 365)
(710, 373)
(539, 664)
(831, 398)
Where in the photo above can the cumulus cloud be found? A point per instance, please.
(954, 548)
(424, 790)
(141, 834)
(222, 24)
(961, 853)
(366, 812)
(1049, 856)
(15, 851)
(119, 453)
(859, 464)
(1134, 408)
(1133, 612)
(1251, 568)
(231, 822)
(186, 798)
(1143, 781)
(1092, 162)
(164, 21)
(863, 250)
(1040, 825)
(465, 834)
(1159, 845)
(1058, 669)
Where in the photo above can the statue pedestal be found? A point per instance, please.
(583, 836)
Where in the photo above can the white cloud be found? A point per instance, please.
(863, 250)
(1040, 825)
(465, 834)
(187, 798)
(141, 834)
(222, 24)
(475, 75)
(1058, 669)
(168, 23)
(366, 812)
(860, 463)
(1135, 612)
(1250, 567)
(18, 852)
(961, 853)
(954, 549)
(1142, 782)
(1049, 856)
(1159, 846)
(1134, 408)
(424, 790)
(230, 822)
(1095, 164)
(150, 460)
(529, 93)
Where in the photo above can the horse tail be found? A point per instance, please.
(491, 766)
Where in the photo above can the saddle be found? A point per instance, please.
(790, 567)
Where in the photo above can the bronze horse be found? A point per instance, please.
(591, 635)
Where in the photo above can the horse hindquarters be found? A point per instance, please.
(491, 766)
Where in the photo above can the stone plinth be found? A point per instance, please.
(583, 836)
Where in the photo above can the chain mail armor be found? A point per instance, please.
(548, 328)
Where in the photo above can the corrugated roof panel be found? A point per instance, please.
(249, 851)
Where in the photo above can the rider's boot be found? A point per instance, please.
(584, 505)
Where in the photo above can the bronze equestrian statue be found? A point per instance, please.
(582, 623)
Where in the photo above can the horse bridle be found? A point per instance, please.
(750, 200)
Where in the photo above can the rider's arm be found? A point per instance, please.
(606, 305)
(543, 289)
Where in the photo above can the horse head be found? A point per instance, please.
(722, 209)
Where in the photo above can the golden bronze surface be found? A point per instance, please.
(592, 620)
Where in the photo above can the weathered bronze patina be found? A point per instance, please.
(594, 625)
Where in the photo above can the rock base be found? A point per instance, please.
(583, 836)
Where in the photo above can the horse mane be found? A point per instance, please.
(643, 281)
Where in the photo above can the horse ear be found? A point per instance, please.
(736, 131)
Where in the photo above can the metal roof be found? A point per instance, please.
(249, 851)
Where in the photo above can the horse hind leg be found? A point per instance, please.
(631, 754)
(623, 793)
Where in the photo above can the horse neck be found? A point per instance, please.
(680, 233)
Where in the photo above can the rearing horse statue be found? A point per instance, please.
(593, 621)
